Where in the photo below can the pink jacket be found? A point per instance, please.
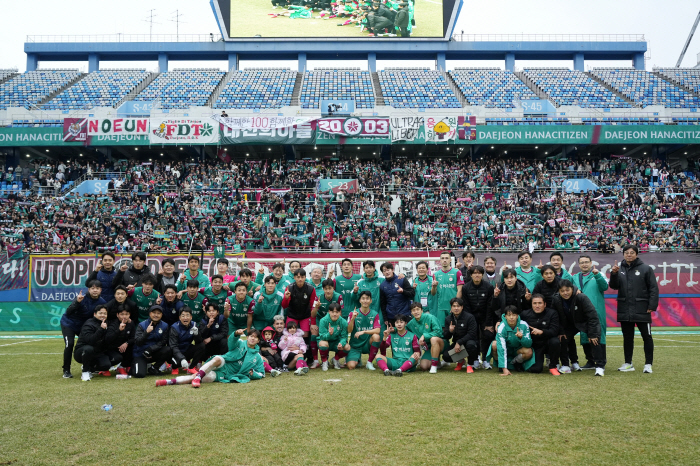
(288, 339)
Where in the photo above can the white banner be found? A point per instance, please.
(405, 128)
(259, 122)
(183, 131)
(439, 129)
(117, 126)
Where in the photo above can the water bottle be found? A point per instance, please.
(106, 407)
(123, 376)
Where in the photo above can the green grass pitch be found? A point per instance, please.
(365, 419)
(251, 17)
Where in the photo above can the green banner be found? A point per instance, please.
(22, 137)
(26, 316)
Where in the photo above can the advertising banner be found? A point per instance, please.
(75, 130)
(337, 107)
(37, 137)
(355, 127)
(335, 185)
(298, 134)
(259, 122)
(31, 317)
(117, 126)
(182, 131)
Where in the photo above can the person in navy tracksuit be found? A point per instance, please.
(105, 273)
(151, 344)
(214, 330)
(186, 342)
(79, 311)
(395, 294)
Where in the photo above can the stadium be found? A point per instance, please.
(277, 227)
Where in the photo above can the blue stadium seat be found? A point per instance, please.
(258, 88)
(182, 88)
(103, 88)
(646, 88)
(567, 87)
(27, 89)
(421, 88)
(337, 84)
(491, 87)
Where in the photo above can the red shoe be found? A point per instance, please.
(122, 371)
(459, 366)
(161, 383)
(470, 369)
(175, 372)
(196, 382)
(554, 372)
(192, 371)
(106, 374)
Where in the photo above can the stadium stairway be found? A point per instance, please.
(378, 96)
(455, 88)
(50, 97)
(296, 93)
(613, 90)
(215, 95)
(137, 90)
(8, 76)
(675, 82)
(534, 88)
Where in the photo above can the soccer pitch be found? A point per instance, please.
(366, 418)
(252, 17)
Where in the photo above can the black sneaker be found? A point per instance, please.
(153, 371)
(397, 373)
(388, 372)
(67, 375)
(588, 367)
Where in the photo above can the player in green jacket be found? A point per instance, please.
(325, 298)
(236, 310)
(192, 272)
(426, 292)
(512, 338)
(333, 336)
(363, 327)
(193, 299)
(344, 284)
(593, 284)
(216, 294)
(529, 275)
(145, 296)
(405, 349)
(429, 332)
(370, 281)
(268, 304)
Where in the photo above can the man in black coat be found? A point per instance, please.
(131, 277)
(544, 331)
(477, 294)
(462, 329)
(577, 314)
(401, 24)
(383, 19)
(637, 298)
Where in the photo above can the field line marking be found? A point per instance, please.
(20, 342)
(678, 341)
(30, 354)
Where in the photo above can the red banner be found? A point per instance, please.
(355, 127)
(75, 130)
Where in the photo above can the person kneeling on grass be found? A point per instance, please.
(512, 338)
(363, 327)
(241, 364)
(186, 343)
(91, 349)
(214, 328)
(405, 349)
(121, 332)
(460, 327)
(333, 334)
(151, 344)
(271, 352)
(293, 348)
(429, 332)
(544, 331)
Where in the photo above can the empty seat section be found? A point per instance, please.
(688, 77)
(491, 87)
(646, 88)
(567, 87)
(28, 89)
(182, 88)
(337, 84)
(103, 88)
(257, 88)
(416, 89)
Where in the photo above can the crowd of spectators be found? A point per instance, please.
(498, 204)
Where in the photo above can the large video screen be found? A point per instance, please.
(358, 19)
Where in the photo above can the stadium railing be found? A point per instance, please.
(549, 37)
(127, 38)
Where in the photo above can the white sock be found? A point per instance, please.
(518, 359)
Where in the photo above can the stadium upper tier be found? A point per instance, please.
(567, 87)
(417, 89)
(28, 89)
(100, 89)
(263, 88)
(491, 87)
(337, 84)
(260, 88)
(182, 88)
(646, 88)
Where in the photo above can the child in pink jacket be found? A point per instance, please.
(293, 348)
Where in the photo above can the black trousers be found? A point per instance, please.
(117, 357)
(568, 350)
(628, 340)
(194, 354)
(92, 360)
(486, 338)
(69, 343)
(472, 352)
(551, 347)
(139, 369)
(216, 348)
(588, 352)
(274, 360)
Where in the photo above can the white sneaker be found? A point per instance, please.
(558, 366)
(565, 370)
(86, 377)
(647, 369)
(114, 368)
(324, 366)
(626, 368)
(274, 373)
(336, 364)
(576, 367)
(370, 366)
(301, 371)
(476, 364)
(433, 369)
(443, 364)
(314, 365)
(599, 371)
(486, 365)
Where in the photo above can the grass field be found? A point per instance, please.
(366, 418)
(255, 20)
